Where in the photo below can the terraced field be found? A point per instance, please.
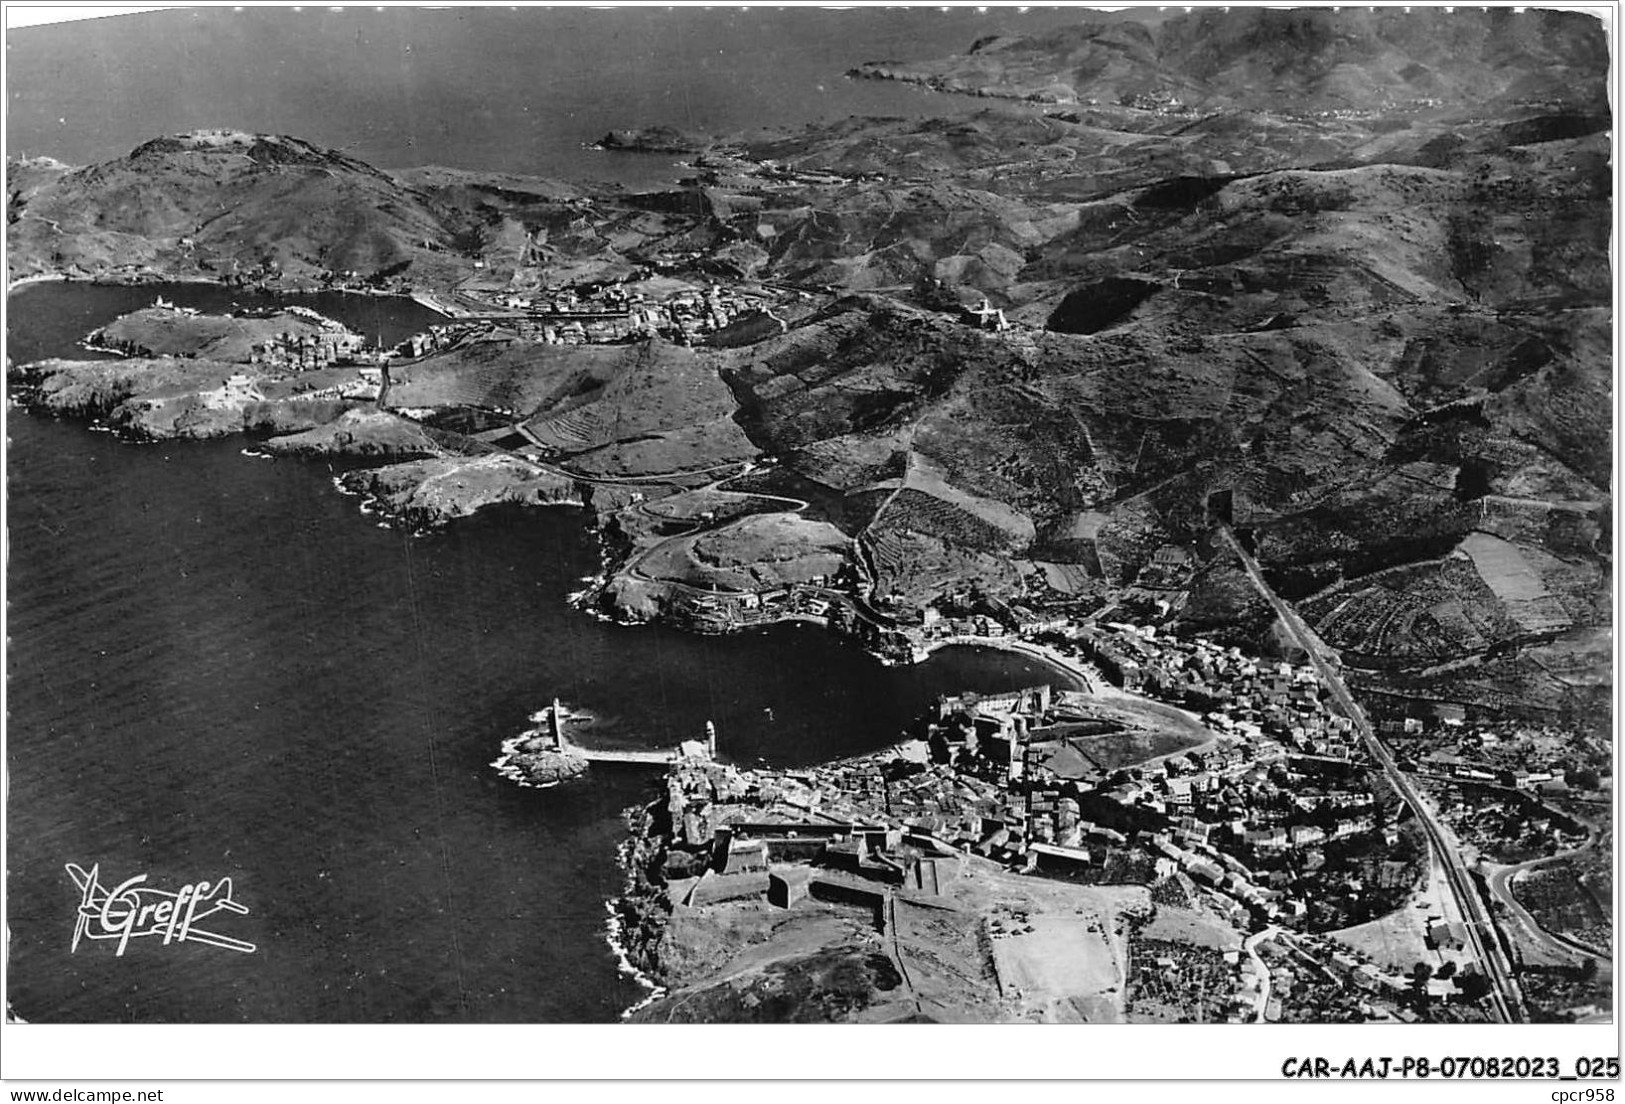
(572, 431)
(915, 511)
(1430, 612)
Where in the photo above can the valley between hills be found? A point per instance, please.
(1372, 330)
(1336, 282)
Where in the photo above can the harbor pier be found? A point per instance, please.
(655, 756)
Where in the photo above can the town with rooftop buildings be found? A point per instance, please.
(598, 313)
(1210, 782)
(1207, 479)
(1274, 874)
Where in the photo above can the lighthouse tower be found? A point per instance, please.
(555, 723)
(711, 739)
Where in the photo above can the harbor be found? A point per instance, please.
(545, 755)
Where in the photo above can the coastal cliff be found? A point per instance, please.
(171, 398)
(168, 397)
(652, 139)
(163, 331)
(1337, 278)
(358, 431)
(1259, 59)
(428, 493)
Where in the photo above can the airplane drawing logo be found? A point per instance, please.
(131, 910)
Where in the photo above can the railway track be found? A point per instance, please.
(1484, 940)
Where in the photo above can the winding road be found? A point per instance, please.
(1250, 945)
(1499, 878)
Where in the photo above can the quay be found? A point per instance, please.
(604, 756)
(656, 756)
(436, 304)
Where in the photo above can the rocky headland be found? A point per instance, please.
(170, 397)
(1338, 278)
(1260, 59)
(430, 492)
(358, 431)
(164, 331)
(530, 759)
(653, 139)
(1336, 282)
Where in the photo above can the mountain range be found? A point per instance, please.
(1340, 277)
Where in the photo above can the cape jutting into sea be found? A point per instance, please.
(219, 666)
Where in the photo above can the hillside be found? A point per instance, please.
(1340, 278)
(164, 332)
(1258, 58)
(223, 204)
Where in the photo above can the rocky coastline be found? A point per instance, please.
(1018, 448)
(172, 399)
(533, 760)
(957, 86)
(423, 494)
(359, 431)
(642, 910)
(744, 905)
(651, 139)
(430, 477)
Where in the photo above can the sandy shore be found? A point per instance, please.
(105, 281)
(428, 299)
(1090, 679)
(45, 278)
(423, 298)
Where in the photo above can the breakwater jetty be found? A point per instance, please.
(545, 755)
(689, 749)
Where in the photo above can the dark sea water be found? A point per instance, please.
(219, 666)
(477, 88)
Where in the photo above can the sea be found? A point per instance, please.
(518, 90)
(220, 667)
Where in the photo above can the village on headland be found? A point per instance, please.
(1201, 833)
(674, 503)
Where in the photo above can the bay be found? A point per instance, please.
(511, 90)
(218, 666)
